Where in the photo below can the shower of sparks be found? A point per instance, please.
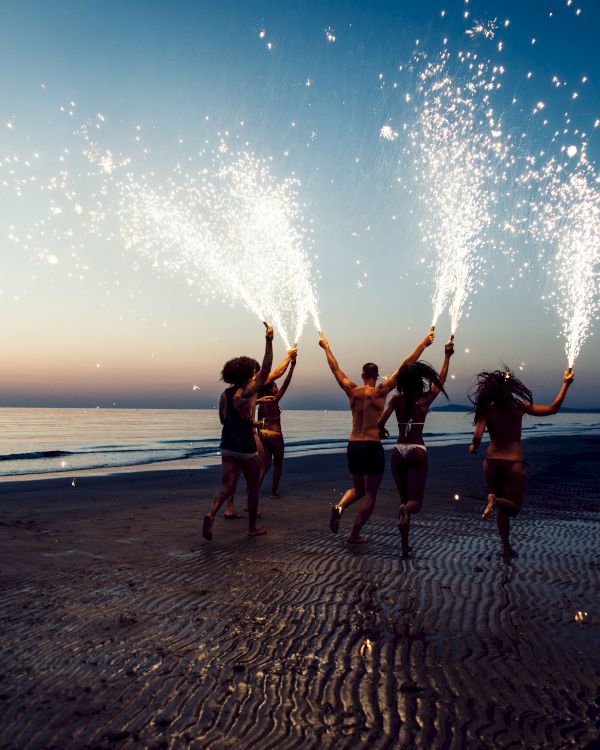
(329, 35)
(236, 232)
(487, 29)
(225, 224)
(568, 222)
(459, 163)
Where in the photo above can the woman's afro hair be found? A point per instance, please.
(239, 369)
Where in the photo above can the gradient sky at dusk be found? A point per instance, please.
(111, 330)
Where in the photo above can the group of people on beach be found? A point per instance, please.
(250, 442)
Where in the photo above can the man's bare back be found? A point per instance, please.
(367, 404)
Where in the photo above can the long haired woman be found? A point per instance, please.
(417, 386)
(500, 400)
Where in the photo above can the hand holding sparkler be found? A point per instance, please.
(569, 376)
(269, 331)
(428, 340)
(449, 347)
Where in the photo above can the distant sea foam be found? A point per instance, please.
(49, 441)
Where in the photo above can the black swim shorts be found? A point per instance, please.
(366, 457)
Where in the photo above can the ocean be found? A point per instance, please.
(53, 441)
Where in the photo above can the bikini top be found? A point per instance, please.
(408, 426)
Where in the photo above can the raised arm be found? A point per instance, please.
(387, 386)
(383, 433)
(477, 435)
(538, 410)
(258, 380)
(448, 352)
(287, 381)
(345, 383)
(443, 374)
(280, 369)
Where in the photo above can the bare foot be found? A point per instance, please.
(207, 526)
(357, 540)
(334, 519)
(402, 517)
(489, 508)
(508, 553)
(275, 496)
(231, 516)
(406, 550)
(257, 531)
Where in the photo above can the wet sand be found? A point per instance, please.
(123, 628)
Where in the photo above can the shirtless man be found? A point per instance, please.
(238, 443)
(365, 452)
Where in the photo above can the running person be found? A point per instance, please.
(418, 385)
(500, 400)
(366, 461)
(270, 434)
(239, 452)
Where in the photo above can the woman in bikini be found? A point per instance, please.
(500, 400)
(418, 385)
(270, 434)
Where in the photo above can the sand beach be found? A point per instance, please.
(122, 627)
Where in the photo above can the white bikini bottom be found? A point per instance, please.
(405, 448)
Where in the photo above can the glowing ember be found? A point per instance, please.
(388, 133)
(487, 29)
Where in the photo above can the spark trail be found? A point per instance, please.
(224, 223)
(568, 221)
(234, 232)
(459, 162)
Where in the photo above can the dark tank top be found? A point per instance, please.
(238, 433)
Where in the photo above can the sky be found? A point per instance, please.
(167, 88)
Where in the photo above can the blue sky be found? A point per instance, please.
(108, 331)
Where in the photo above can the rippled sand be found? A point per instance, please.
(122, 627)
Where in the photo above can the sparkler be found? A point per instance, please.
(568, 220)
(236, 232)
(458, 157)
(229, 227)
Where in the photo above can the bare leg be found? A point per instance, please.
(503, 523)
(410, 475)
(278, 448)
(349, 497)
(507, 484)
(366, 508)
(230, 475)
(264, 453)
(251, 469)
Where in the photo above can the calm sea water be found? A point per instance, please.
(41, 441)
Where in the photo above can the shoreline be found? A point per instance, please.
(210, 462)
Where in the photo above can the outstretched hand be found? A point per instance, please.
(323, 342)
(428, 340)
(293, 353)
(449, 347)
(269, 331)
(569, 376)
